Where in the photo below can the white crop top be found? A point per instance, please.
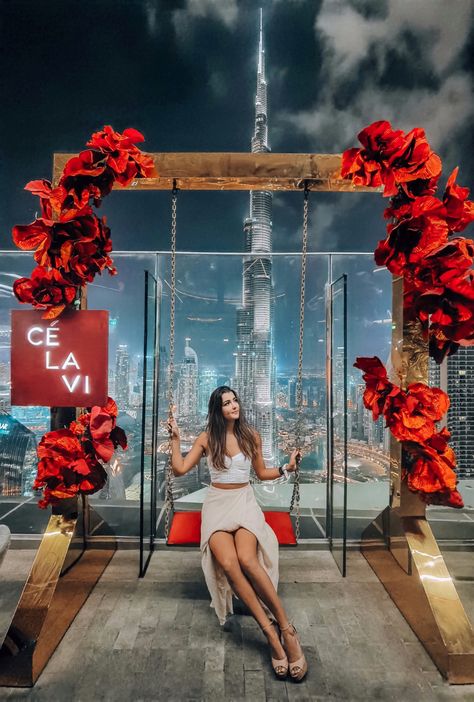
(237, 470)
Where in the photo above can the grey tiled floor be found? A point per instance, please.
(158, 639)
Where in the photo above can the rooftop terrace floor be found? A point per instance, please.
(158, 639)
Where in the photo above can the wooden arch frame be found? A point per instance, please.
(407, 559)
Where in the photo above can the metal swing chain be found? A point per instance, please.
(295, 498)
(169, 503)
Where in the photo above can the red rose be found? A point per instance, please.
(94, 480)
(460, 210)
(45, 290)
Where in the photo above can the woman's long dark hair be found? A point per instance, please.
(216, 430)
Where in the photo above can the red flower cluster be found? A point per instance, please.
(70, 459)
(411, 416)
(45, 290)
(439, 288)
(389, 158)
(69, 238)
(79, 247)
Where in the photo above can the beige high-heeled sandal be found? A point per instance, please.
(298, 668)
(280, 666)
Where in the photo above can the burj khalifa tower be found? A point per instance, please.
(254, 362)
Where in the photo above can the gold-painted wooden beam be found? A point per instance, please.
(239, 171)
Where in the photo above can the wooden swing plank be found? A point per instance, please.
(239, 171)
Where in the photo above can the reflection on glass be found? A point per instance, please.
(338, 419)
(21, 428)
(220, 340)
(148, 418)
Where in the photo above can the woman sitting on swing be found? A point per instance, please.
(239, 549)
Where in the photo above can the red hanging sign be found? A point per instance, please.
(60, 362)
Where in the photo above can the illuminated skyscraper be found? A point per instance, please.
(455, 376)
(254, 366)
(207, 383)
(187, 390)
(122, 377)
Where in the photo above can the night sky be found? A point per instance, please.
(184, 73)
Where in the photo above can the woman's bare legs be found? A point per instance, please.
(246, 547)
(223, 549)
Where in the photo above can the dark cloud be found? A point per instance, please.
(184, 73)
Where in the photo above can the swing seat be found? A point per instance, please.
(185, 529)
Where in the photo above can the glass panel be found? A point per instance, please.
(338, 420)
(211, 287)
(369, 331)
(119, 502)
(217, 343)
(21, 428)
(148, 448)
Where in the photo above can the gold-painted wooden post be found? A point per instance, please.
(407, 560)
(60, 580)
(63, 574)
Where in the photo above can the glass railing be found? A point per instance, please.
(215, 345)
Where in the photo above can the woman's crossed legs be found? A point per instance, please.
(236, 553)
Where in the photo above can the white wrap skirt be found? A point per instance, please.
(229, 510)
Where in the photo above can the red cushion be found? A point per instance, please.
(281, 524)
(186, 528)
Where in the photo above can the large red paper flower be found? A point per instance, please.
(45, 290)
(449, 308)
(432, 470)
(419, 229)
(63, 465)
(446, 262)
(415, 159)
(123, 158)
(393, 159)
(70, 459)
(378, 387)
(369, 165)
(106, 436)
(79, 247)
(460, 210)
(85, 178)
(411, 416)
